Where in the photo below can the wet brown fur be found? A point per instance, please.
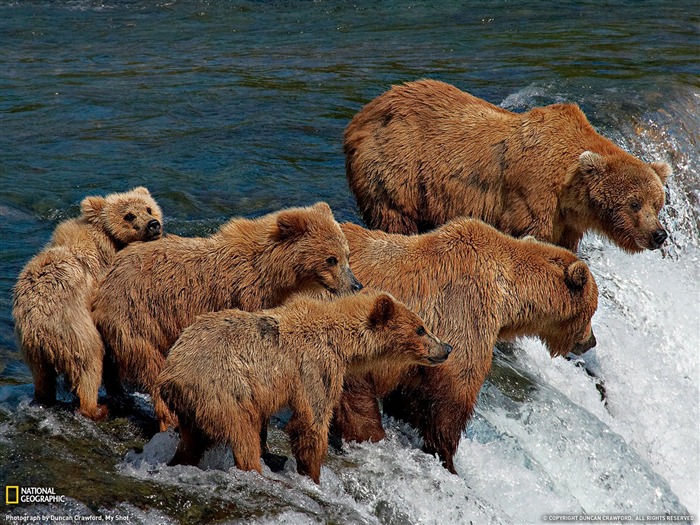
(155, 290)
(52, 296)
(425, 152)
(473, 286)
(231, 370)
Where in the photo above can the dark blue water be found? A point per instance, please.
(238, 108)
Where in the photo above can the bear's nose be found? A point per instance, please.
(153, 226)
(585, 346)
(447, 348)
(354, 283)
(658, 237)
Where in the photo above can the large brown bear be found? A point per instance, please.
(473, 285)
(54, 291)
(154, 291)
(231, 370)
(426, 152)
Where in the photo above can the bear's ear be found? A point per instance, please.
(323, 208)
(662, 169)
(382, 311)
(576, 275)
(591, 163)
(142, 191)
(91, 207)
(290, 224)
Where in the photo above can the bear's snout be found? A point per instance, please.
(153, 228)
(354, 283)
(584, 346)
(658, 238)
(442, 355)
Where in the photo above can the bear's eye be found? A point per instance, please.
(149, 211)
(420, 331)
(332, 261)
(635, 205)
(129, 217)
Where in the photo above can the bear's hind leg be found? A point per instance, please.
(275, 462)
(89, 376)
(149, 378)
(87, 392)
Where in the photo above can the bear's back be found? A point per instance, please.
(242, 355)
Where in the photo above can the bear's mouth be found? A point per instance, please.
(329, 288)
(582, 347)
(653, 241)
(646, 244)
(438, 360)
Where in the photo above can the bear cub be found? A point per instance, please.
(55, 289)
(231, 370)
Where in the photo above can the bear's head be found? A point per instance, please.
(572, 303)
(125, 217)
(315, 248)
(404, 332)
(626, 196)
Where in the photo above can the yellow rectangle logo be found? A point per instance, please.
(9, 498)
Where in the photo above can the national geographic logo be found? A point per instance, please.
(11, 495)
(15, 494)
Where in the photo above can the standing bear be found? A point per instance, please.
(473, 286)
(154, 291)
(231, 370)
(55, 289)
(426, 152)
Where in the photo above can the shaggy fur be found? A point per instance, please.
(53, 293)
(156, 290)
(426, 152)
(231, 370)
(473, 286)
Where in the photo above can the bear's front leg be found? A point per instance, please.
(243, 429)
(357, 416)
(166, 418)
(439, 407)
(44, 376)
(309, 440)
(191, 446)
